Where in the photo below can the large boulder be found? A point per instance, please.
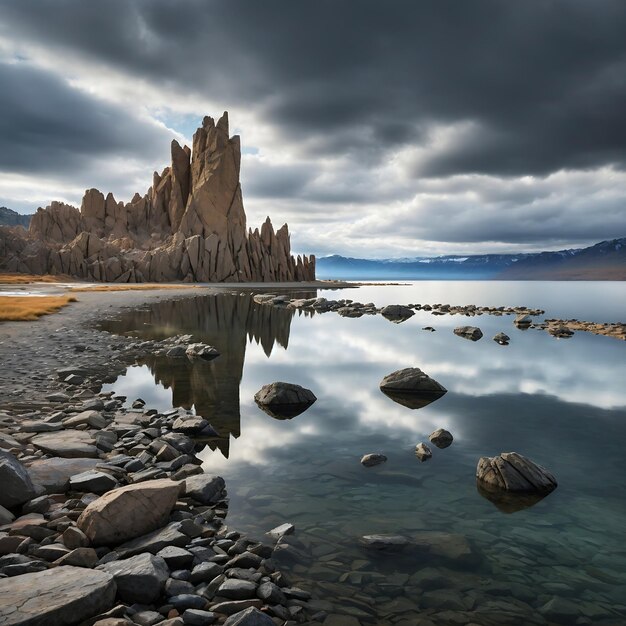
(411, 387)
(16, 486)
(284, 400)
(512, 472)
(66, 595)
(140, 578)
(129, 512)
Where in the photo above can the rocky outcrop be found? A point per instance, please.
(411, 387)
(513, 472)
(190, 226)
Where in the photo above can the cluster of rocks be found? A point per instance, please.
(107, 518)
(190, 226)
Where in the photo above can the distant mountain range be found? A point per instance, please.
(603, 261)
(8, 217)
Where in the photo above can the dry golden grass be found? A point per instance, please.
(133, 287)
(29, 308)
(25, 279)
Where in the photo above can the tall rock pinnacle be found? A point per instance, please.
(189, 226)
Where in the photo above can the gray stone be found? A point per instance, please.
(284, 400)
(441, 438)
(502, 339)
(54, 474)
(196, 617)
(79, 557)
(17, 486)
(235, 589)
(249, 617)
(369, 460)
(204, 488)
(560, 610)
(68, 595)
(176, 557)
(67, 444)
(280, 531)
(154, 541)
(411, 387)
(201, 351)
(473, 333)
(397, 313)
(92, 481)
(187, 601)
(271, 593)
(139, 578)
(205, 572)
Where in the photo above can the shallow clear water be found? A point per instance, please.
(560, 402)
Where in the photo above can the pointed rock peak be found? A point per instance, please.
(110, 197)
(175, 145)
(187, 149)
(223, 123)
(136, 197)
(208, 122)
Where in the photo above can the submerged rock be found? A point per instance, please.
(561, 332)
(473, 333)
(369, 460)
(423, 452)
(514, 473)
(522, 320)
(411, 387)
(284, 400)
(441, 438)
(384, 542)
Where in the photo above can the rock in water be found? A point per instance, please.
(201, 351)
(441, 438)
(423, 452)
(473, 333)
(284, 400)
(129, 512)
(249, 617)
(65, 595)
(369, 460)
(384, 542)
(502, 339)
(411, 387)
(515, 473)
(16, 486)
(397, 313)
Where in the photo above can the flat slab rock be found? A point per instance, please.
(68, 595)
(67, 444)
(54, 474)
(411, 380)
(473, 333)
(513, 472)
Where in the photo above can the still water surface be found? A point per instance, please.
(560, 402)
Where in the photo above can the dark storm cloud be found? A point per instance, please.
(46, 126)
(541, 82)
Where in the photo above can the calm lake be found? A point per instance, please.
(560, 402)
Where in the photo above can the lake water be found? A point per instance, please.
(560, 402)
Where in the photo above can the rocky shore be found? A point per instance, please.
(106, 515)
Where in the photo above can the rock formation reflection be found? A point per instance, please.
(223, 321)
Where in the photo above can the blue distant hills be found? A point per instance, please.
(603, 261)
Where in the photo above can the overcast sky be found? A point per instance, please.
(374, 129)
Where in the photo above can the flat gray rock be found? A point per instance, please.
(140, 578)
(93, 481)
(67, 444)
(17, 486)
(67, 595)
(54, 474)
(369, 460)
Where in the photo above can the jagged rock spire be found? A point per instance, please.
(190, 225)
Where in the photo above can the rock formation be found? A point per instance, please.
(190, 226)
